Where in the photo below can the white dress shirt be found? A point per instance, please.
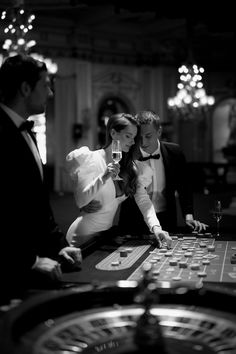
(156, 189)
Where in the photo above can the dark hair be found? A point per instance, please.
(148, 117)
(18, 69)
(128, 168)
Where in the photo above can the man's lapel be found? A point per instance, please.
(166, 160)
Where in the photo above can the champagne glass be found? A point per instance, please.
(116, 155)
(217, 215)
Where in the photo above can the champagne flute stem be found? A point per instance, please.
(117, 177)
(217, 228)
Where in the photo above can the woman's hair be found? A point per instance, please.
(128, 168)
(18, 69)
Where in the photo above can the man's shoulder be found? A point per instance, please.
(170, 145)
(6, 124)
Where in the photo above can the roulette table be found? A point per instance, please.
(130, 297)
(194, 258)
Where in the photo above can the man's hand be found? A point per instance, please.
(196, 225)
(48, 267)
(92, 207)
(162, 236)
(71, 256)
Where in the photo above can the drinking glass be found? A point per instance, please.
(116, 155)
(217, 215)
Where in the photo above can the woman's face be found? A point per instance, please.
(126, 136)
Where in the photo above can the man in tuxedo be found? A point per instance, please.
(169, 177)
(33, 248)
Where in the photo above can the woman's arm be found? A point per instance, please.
(85, 193)
(89, 173)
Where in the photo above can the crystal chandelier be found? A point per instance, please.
(191, 99)
(18, 23)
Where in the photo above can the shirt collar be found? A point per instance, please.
(157, 151)
(15, 117)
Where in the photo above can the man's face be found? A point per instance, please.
(149, 137)
(37, 99)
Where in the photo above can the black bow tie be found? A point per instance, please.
(27, 125)
(156, 156)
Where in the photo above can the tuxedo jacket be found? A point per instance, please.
(28, 228)
(176, 180)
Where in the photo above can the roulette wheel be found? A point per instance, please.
(123, 317)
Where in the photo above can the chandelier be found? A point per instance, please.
(191, 99)
(18, 23)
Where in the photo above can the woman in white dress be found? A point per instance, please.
(92, 174)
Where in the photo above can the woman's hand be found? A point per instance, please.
(113, 169)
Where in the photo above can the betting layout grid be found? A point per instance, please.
(191, 258)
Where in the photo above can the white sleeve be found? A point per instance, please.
(86, 171)
(84, 194)
(142, 198)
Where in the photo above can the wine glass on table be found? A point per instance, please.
(217, 215)
(116, 155)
